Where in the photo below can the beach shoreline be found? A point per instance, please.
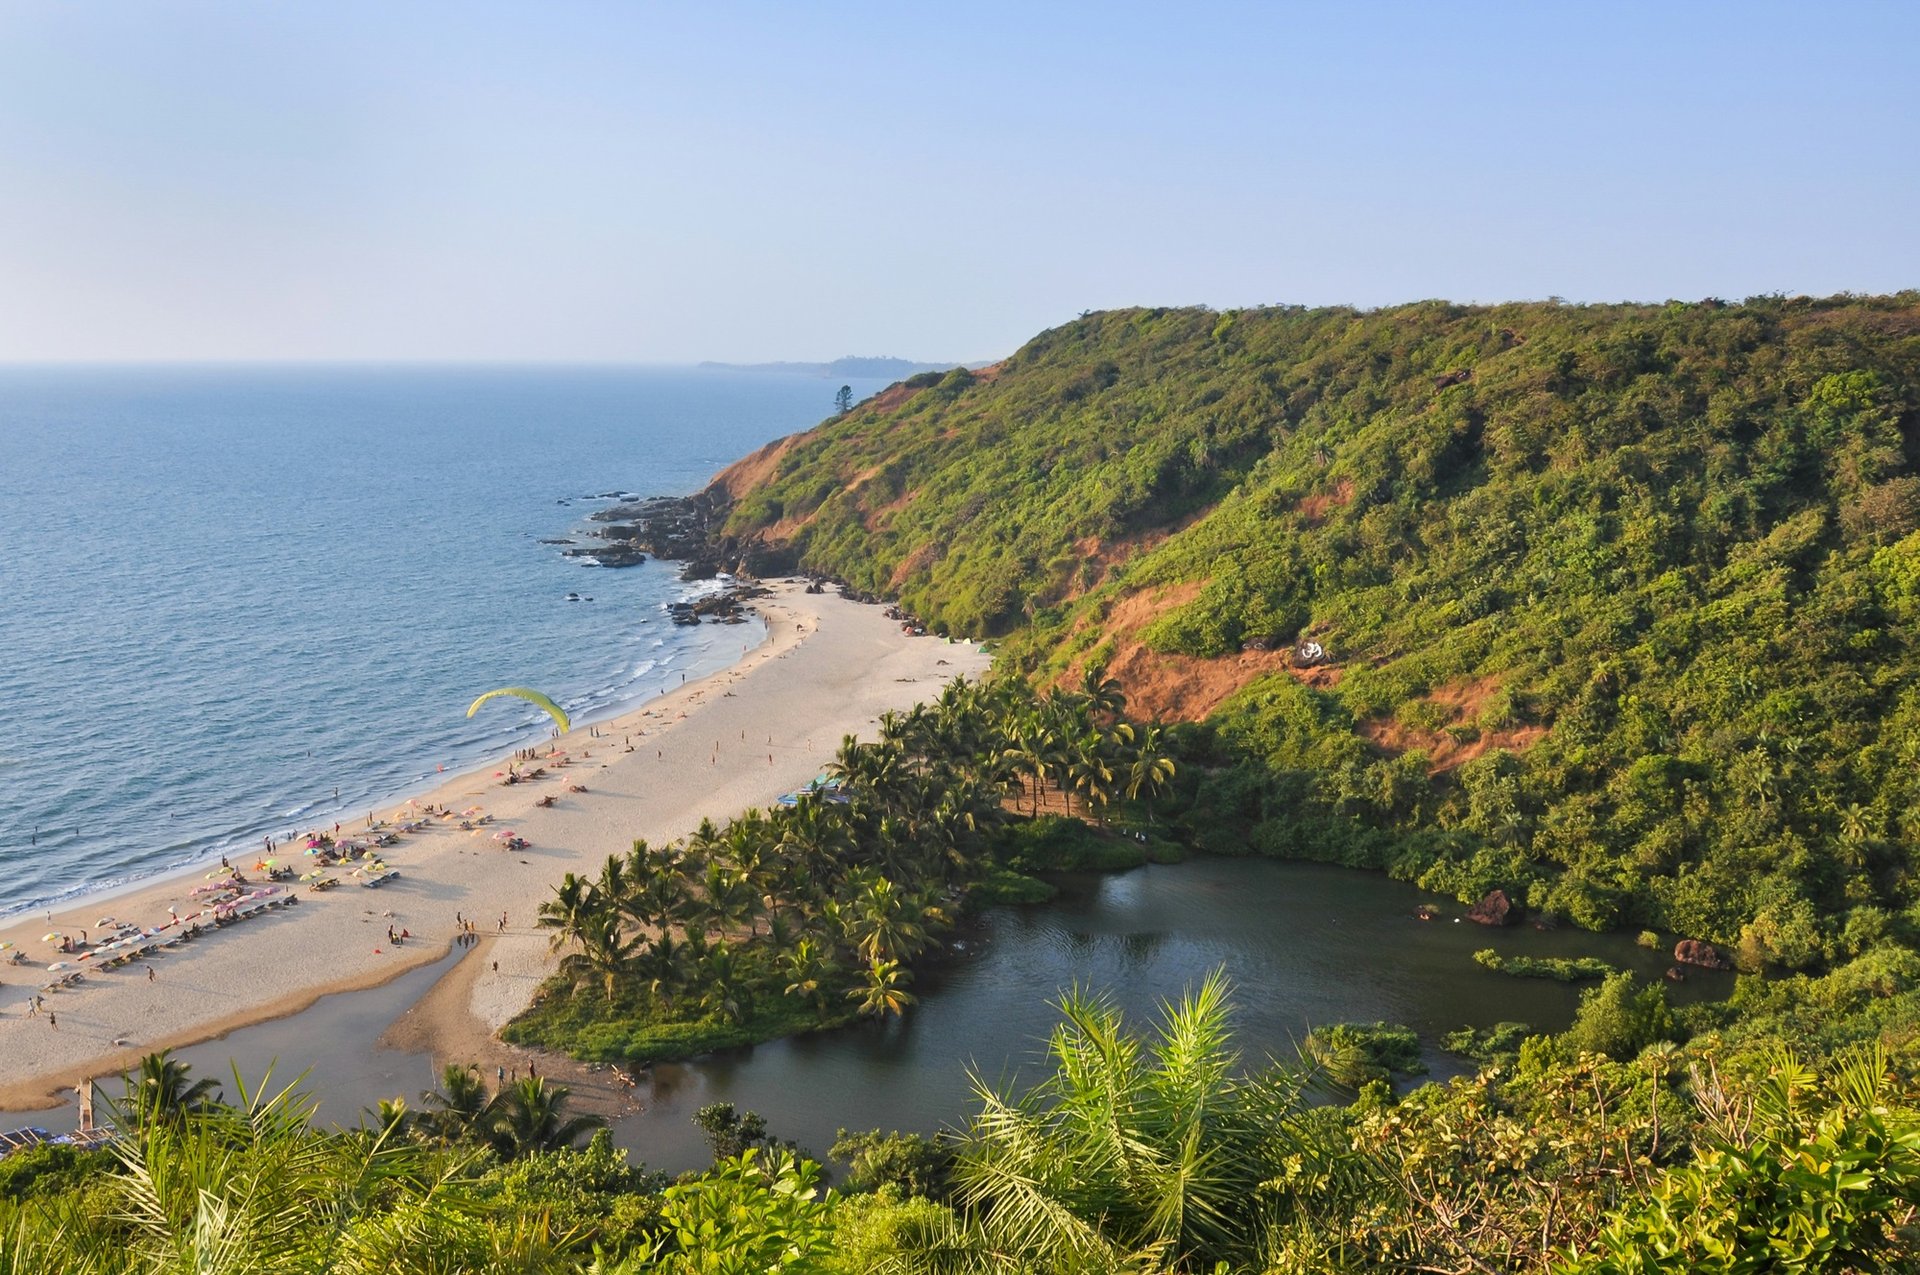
(732, 740)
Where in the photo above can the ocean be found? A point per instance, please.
(238, 601)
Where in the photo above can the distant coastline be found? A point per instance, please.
(881, 368)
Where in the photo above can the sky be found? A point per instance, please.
(637, 182)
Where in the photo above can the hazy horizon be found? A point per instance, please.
(583, 183)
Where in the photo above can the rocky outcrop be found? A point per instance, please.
(684, 529)
(1495, 909)
(1704, 955)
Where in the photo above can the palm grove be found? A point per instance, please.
(809, 914)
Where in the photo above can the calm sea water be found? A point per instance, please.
(227, 593)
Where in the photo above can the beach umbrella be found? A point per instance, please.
(54, 937)
(5, 946)
(57, 965)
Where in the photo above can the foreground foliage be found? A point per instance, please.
(1138, 1150)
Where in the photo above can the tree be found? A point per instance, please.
(456, 1111)
(885, 991)
(530, 1115)
(162, 1090)
(843, 399)
(1616, 1021)
(1147, 1154)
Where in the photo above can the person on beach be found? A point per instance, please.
(149, 973)
(53, 1020)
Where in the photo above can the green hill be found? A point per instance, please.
(1617, 602)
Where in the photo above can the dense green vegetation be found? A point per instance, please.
(1139, 1149)
(1621, 598)
(806, 916)
(1563, 969)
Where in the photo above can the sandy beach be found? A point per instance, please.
(710, 749)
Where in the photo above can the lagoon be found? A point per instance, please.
(1304, 944)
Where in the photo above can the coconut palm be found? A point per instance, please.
(456, 1111)
(884, 991)
(530, 1115)
(810, 970)
(576, 902)
(162, 1088)
(1103, 696)
(606, 953)
(884, 922)
(725, 988)
(1150, 768)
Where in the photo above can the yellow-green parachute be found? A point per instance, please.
(532, 697)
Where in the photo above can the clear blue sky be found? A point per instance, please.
(324, 179)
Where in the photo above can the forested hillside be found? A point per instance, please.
(1617, 602)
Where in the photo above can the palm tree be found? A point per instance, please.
(885, 990)
(457, 1110)
(1151, 768)
(661, 968)
(1135, 1153)
(725, 988)
(1087, 768)
(883, 924)
(161, 1089)
(810, 970)
(389, 1118)
(1031, 749)
(574, 905)
(606, 952)
(730, 899)
(1102, 694)
(530, 1115)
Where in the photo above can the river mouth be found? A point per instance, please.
(1303, 944)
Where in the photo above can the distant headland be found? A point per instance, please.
(881, 368)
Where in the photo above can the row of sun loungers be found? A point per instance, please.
(134, 943)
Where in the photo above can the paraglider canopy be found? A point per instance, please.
(532, 697)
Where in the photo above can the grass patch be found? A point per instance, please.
(1561, 969)
(585, 1025)
(1005, 886)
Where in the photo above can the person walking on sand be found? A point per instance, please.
(149, 973)
(53, 1020)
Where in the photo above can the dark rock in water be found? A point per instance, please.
(1704, 955)
(1495, 909)
(612, 555)
(1675, 974)
(556, 542)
